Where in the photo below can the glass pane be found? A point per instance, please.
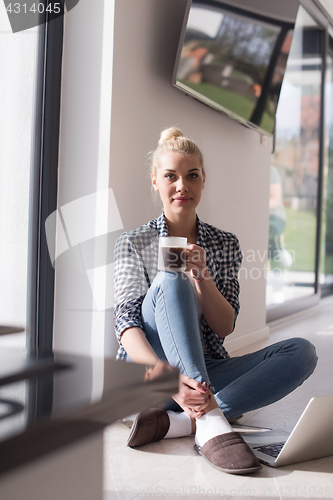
(18, 64)
(234, 60)
(326, 276)
(294, 170)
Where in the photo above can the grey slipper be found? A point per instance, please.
(149, 426)
(229, 453)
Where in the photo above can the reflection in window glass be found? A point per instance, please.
(294, 170)
(326, 277)
(235, 62)
(18, 53)
(17, 91)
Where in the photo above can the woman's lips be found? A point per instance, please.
(180, 199)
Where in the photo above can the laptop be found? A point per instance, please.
(311, 438)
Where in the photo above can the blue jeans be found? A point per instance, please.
(242, 383)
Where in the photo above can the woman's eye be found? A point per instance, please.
(172, 177)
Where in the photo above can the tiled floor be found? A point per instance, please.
(172, 469)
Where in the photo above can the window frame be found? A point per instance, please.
(44, 182)
(326, 288)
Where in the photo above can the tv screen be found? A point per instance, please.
(233, 60)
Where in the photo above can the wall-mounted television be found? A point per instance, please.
(233, 57)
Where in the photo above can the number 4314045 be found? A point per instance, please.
(305, 491)
(17, 8)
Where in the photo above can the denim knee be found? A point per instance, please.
(307, 355)
(178, 281)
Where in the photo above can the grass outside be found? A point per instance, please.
(300, 238)
(326, 246)
(240, 104)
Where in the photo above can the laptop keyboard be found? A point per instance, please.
(272, 450)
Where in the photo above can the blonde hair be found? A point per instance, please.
(172, 139)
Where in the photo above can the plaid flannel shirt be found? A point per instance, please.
(135, 260)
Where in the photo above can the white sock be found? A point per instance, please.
(180, 425)
(210, 425)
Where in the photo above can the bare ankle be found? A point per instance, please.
(212, 403)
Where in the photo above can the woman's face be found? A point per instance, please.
(180, 181)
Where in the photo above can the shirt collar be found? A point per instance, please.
(162, 229)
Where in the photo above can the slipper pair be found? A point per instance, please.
(227, 452)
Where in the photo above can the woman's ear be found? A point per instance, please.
(203, 180)
(153, 180)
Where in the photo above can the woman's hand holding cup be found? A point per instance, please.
(196, 262)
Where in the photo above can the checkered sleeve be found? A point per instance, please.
(228, 283)
(130, 285)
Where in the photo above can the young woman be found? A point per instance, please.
(180, 320)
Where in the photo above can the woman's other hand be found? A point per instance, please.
(193, 397)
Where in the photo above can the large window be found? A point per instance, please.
(30, 103)
(18, 57)
(29, 136)
(326, 276)
(295, 170)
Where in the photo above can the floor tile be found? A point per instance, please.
(198, 479)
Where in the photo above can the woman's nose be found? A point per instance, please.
(181, 185)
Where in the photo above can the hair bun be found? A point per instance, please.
(169, 133)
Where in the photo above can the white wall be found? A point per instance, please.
(146, 35)
(83, 164)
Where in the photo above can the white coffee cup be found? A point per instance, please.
(172, 254)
